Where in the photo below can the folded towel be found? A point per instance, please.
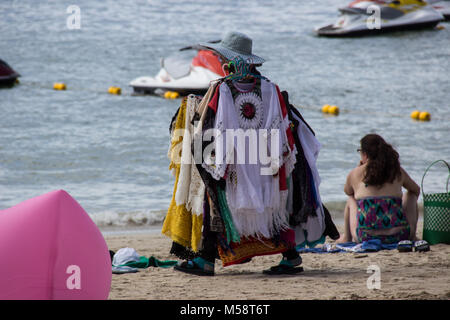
(372, 245)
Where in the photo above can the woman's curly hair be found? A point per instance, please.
(383, 165)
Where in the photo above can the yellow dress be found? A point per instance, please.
(180, 224)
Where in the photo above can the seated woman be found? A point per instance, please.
(376, 207)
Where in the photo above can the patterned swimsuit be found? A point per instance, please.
(379, 213)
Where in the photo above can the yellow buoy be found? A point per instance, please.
(115, 90)
(167, 94)
(333, 110)
(440, 27)
(425, 116)
(59, 86)
(325, 108)
(415, 114)
(174, 95)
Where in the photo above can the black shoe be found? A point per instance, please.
(283, 269)
(286, 267)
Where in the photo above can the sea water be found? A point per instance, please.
(110, 152)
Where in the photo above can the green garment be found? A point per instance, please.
(232, 233)
(145, 262)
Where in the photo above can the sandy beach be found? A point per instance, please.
(326, 276)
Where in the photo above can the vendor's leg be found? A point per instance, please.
(207, 257)
(292, 257)
(350, 221)
(202, 265)
(288, 265)
(209, 251)
(181, 251)
(411, 210)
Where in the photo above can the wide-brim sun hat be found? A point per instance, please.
(235, 44)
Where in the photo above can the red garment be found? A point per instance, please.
(248, 248)
(288, 237)
(207, 59)
(282, 178)
(289, 134)
(214, 102)
(290, 137)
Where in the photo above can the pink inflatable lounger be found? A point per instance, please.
(51, 249)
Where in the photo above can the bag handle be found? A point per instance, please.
(448, 166)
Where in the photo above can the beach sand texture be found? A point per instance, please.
(411, 275)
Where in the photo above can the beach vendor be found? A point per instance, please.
(246, 181)
(376, 207)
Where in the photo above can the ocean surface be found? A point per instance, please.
(110, 152)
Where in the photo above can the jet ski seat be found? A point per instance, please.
(387, 13)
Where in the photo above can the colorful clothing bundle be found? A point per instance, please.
(246, 181)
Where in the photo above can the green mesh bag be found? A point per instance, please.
(436, 213)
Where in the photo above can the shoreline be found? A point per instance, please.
(155, 228)
(131, 230)
(138, 221)
(326, 276)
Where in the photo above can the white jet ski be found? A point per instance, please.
(190, 70)
(367, 17)
(442, 6)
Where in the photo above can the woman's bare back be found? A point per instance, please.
(355, 185)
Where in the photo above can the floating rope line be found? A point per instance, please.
(60, 86)
(374, 113)
(244, 71)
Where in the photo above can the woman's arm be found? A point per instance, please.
(409, 183)
(348, 188)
